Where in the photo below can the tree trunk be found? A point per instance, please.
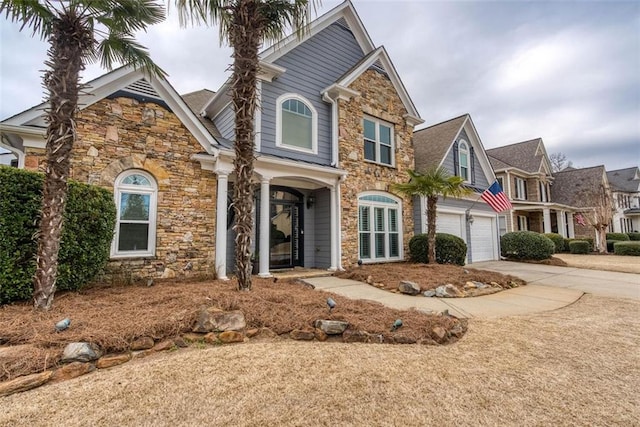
(602, 239)
(62, 83)
(432, 201)
(245, 37)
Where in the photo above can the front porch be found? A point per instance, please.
(544, 219)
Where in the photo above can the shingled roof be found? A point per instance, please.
(570, 184)
(625, 179)
(196, 102)
(431, 144)
(522, 155)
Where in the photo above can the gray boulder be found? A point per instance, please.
(409, 288)
(331, 327)
(448, 291)
(430, 293)
(80, 352)
(215, 320)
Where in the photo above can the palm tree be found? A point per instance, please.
(78, 31)
(245, 25)
(435, 182)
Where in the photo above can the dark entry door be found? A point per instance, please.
(285, 222)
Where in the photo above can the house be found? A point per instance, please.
(333, 132)
(455, 145)
(625, 185)
(588, 190)
(524, 172)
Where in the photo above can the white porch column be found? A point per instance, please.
(562, 227)
(265, 227)
(546, 213)
(335, 230)
(221, 226)
(572, 233)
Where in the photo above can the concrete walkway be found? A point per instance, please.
(549, 288)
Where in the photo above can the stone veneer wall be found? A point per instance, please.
(378, 98)
(115, 135)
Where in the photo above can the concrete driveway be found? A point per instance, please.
(596, 282)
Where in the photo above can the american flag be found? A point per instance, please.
(580, 219)
(495, 197)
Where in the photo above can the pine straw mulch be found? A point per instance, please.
(113, 317)
(428, 276)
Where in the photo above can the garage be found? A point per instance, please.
(450, 223)
(484, 245)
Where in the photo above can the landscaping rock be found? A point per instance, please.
(72, 370)
(80, 352)
(113, 360)
(430, 293)
(439, 334)
(403, 339)
(252, 333)
(302, 334)
(164, 345)
(457, 331)
(228, 337)
(320, 335)
(266, 332)
(24, 383)
(448, 291)
(142, 343)
(180, 342)
(331, 327)
(215, 320)
(190, 337)
(355, 336)
(370, 279)
(211, 338)
(409, 288)
(470, 285)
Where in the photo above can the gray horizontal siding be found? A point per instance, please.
(225, 123)
(311, 67)
(322, 232)
(448, 163)
(451, 202)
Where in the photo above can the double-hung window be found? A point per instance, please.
(378, 141)
(379, 228)
(463, 160)
(521, 189)
(136, 198)
(297, 123)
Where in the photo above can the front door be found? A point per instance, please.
(285, 223)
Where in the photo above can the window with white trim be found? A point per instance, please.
(136, 198)
(521, 189)
(297, 124)
(379, 228)
(523, 223)
(502, 225)
(378, 141)
(544, 191)
(463, 160)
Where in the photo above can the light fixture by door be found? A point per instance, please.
(311, 200)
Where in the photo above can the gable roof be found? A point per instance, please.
(379, 58)
(431, 144)
(128, 80)
(570, 183)
(627, 180)
(195, 101)
(525, 155)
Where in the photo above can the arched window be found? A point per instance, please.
(297, 124)
(379, 227)
(463, 160)
(136, 198)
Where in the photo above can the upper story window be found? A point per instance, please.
(544, 191)
(463, 160)
(297, 124)
(136, 198)
(378, 141)
(521, 189)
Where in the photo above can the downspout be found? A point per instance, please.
(335, 162)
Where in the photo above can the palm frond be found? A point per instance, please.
(38, 17)
(121, 48)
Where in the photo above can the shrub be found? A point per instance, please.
(617, 236)
(579, 247)
(526, 245)
(610, 245)
(450, 249)
(627, 248)
(589, 240)
(89, 220)
(557, 240)
(634, 236)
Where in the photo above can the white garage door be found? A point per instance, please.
(449, 223)
(483, 239)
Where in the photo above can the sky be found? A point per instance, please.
(568, 72)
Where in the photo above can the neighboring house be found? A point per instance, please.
(524, 172)
(584, 189)
(332, 133)
(456, 146)
(625, 185)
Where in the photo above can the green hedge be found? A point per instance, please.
(627, 248)
(450, 249)
(526, 245)
(618, 236)
(579, 247)
(89, 220)
(557, 240)
(634, 236)
(589, 240)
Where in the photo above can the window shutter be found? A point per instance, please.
(524, 182)
(456, 160)
(473, 165)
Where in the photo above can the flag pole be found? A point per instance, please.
(467, 213)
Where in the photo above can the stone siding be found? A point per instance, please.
(115, 135)
(379, 99)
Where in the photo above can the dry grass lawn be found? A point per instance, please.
(623, 264)
(576, 366)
